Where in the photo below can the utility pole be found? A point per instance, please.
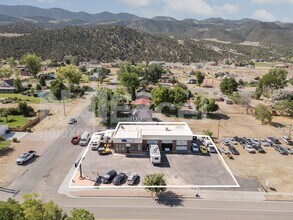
(64, 107)
(80, 172)
(219, 125)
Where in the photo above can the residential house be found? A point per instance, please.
(6, 86)
(23, 71)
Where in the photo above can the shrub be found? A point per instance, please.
(29, 130)
(14, 139)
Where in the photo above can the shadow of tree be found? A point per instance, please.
(6, 151)
(169, 199)
(277, 125)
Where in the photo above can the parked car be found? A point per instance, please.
(270, 142)
(203, 150)
(249, 148)
(289, 150)
(104, 150)
(109, 177)
(287, 140)
(195, 147)
(230, 155)
(75, 140)
(132, 178)
(223, 150)
(233, 150)
(232, 141)
(264, 143)
(211, 148)
(25, 157)
(72, 121)
(274, 140)
(194, 138)
(118, 180)
(224, 141)
(259, 149)
(281, 150)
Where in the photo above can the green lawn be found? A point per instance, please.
(15, 121)
(29, 99)
(3, 144)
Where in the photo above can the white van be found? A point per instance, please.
(84, 139)
(96, 141)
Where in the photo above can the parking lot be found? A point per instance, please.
(178, 169)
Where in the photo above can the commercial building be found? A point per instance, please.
(133, 137)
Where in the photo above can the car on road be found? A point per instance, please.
(25, 157)
(287, 140)
(118, 180)
(132, 178)
(109, 177)
(233, 150)
(203, 150)
(249, 148)
(195, 147)
(84, 139)
(75, 140)
(72, 121)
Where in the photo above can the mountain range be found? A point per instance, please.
(25, 19)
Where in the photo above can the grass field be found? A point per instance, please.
(3, 144)
(15, 121)
(29, 99)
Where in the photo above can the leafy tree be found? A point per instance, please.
(32, 207)
(18, 85)
(242, 100)
(275, 79)
(154, 73)
(130, 81)
(75, 61)
(156, 181)
(5, 72)
(104, 103)
(11, 62)
(11, 210)
(52, 211)
(42, 81)
(33, 63)
(71, 74)
(205, 105)
(228, 86)
(103, 72)
(208, 132)
(24, 109)
(199, 77)
(5, 113)
(161, 95)
(56, 88)
(38, 87)
(262, 113)
(291, 81)
(81, 214)
(178, 96)
(284, 107)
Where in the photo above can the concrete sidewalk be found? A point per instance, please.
(187, 193)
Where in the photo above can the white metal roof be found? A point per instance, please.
(153, 130)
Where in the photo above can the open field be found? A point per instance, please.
(3, 144)
(28, 99)
(15, 121)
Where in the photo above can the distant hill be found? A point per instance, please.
(105, 43)
(234, 31)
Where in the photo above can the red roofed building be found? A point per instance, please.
(142, 101)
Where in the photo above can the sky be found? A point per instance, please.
(265, 10)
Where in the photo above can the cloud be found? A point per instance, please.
(263, 15)
(137, 3)
(184, 7)
(46, 1)
(262, 2)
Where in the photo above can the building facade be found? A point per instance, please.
(134, 137)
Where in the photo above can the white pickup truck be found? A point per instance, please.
(25, 157)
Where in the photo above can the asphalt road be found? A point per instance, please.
(46, 174)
